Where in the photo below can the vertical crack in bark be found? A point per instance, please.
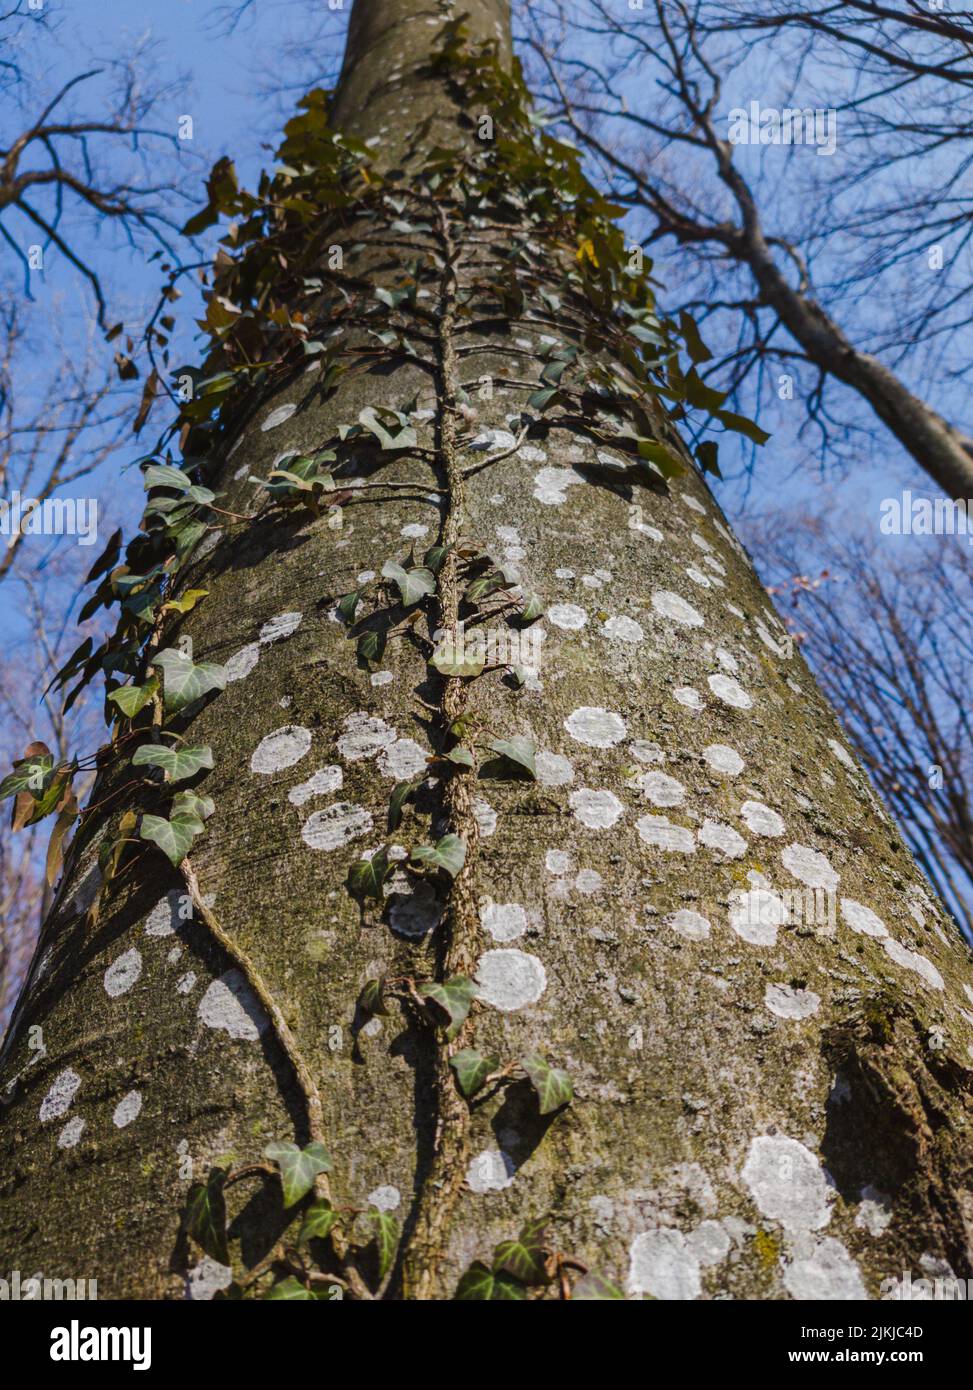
(422, 1261)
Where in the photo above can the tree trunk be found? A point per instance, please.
(697, 909)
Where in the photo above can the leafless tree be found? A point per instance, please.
(881, 633)
(852, 269)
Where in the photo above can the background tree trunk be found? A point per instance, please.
(723, 1060)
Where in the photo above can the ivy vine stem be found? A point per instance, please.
(423, 1250)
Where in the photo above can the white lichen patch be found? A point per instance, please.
(688, 696)
(761, 820)
(551, 485)
(320, 783)
(241, 663)
(491, 441)
(661, 789)
(598, 810)
(698, 577)
(280, 626)
(589, 881)
(230, 1006)
(786, 1001)
(403, 760)
(386, 1198)
(558, 861)
(278, 416)
(414, 909)
(660, 832)
(717, 836)
(71, 1132)
(912, 960)
(336, 825)
(595, 726)
(709, 1242)
(186, 983)
(364, 737)
(662, 1264)
(622, 629)
(381, 678)
(692, 925)
(127, 1109)
(280, 749)
(206, 1279)
(730, 691)
(645, 752)
(670, 605)
(722, 758)
(787, 1183)
(862, 919)
(842, 754)
(58, 1100)
(821, 1268)
(809, 866)
(567, 616)
(491, 1171)
(485, 815)
(553, 769)
(510, 979)
(503, 921)
(755, 916)
(875, 1213)
(168, 913)
(122, 974)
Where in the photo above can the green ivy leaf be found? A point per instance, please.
(480, 1284)
(319, 1218)
(454, 997)
(662, 457)
(386, 1230)
(132, 698)
(188, 803)
(176, 763)
(371, 645)
(435, 556)
(366, 876)
(298, 1167)
(165, 475)
(552, 1084)
(461, 756)
(486, 584)
(520, 750)
(449, 853)
(472, 1069)
(697, 349)
(347, 606)
(206, 1216)
(291, 1290)
(174, 837)
(450, 660)
(595, 1288)
(185, 682)
(401, 793)
(405, 439)
(709, 457)
(372, 997)
(413, 585)
(524, 1257)
(532, 610)
(30, 774)
(742, 425)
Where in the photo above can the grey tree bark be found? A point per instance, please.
(698, 908)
